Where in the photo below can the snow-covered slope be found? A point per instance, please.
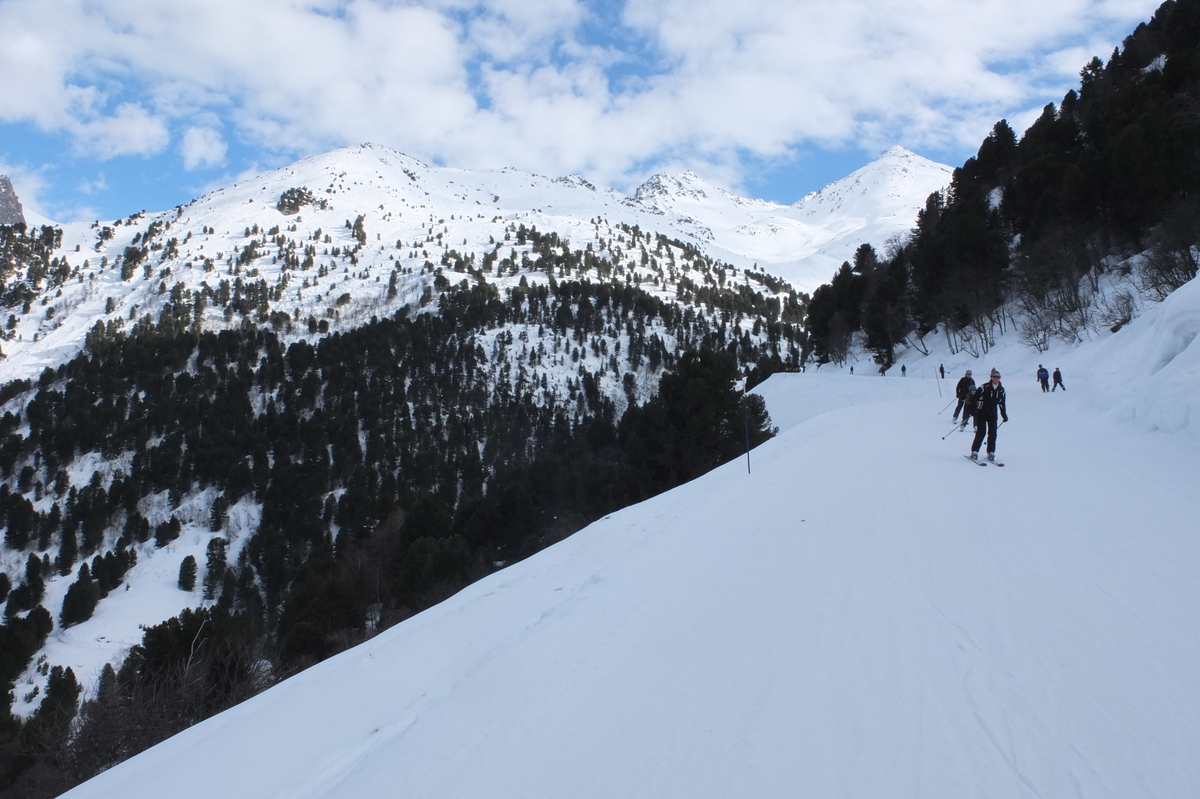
(1148, 373)
(414, 213)
(803, 243)
(865, 614)
(872, 205)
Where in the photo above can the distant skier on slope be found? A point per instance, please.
(1058, 380)
(963, 390)
(986, 401)
(1043, 377)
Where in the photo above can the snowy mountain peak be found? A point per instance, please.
(877, 203)
(660, 190)
(896, 152)
(897, 175)
(802, 243)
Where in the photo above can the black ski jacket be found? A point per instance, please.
(964, 388)
(986, 400)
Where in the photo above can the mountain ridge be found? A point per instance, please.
(413, 214)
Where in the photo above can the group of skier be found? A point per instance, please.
(987, 402)
(1043, 377)
(984, 404)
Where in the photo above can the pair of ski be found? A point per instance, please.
(982, 463)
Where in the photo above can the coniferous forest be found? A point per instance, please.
(1101, 188)
(349, 480)
(386, 467)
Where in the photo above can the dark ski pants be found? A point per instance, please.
(1058, 383)
(1045, 384)
(985, 425)
(958, 408)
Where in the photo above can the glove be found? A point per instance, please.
(1005, 418)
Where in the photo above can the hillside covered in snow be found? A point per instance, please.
(864, 613)
(359, 232)
(333, 244)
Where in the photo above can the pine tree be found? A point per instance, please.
(81, 599)
(68, 549)
(218, 513)
(216, 567)
(187, 573)
(34, 579)
(167, 532)
(26, 595)
(49, 726)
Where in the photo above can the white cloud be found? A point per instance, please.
(202, 147)
(514, 82)
(92, 186)
(130, 131)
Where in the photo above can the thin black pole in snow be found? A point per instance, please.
(746, 420)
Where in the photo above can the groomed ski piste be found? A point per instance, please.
(862, 615)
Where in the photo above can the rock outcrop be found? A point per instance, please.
(10, 205)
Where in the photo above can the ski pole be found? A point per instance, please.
(952, 429)
(943, 410)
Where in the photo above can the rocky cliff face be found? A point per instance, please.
(10, 206)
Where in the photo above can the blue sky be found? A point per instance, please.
(113, 106)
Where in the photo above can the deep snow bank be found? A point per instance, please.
(1149, 372)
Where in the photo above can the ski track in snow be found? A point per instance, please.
(861, 616)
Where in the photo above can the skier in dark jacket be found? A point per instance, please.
(963, 390)
(1058, 380)
(1044, 378)
(986, 401)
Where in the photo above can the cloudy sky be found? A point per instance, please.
(112, 106)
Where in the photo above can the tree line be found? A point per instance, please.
(1028, 229)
